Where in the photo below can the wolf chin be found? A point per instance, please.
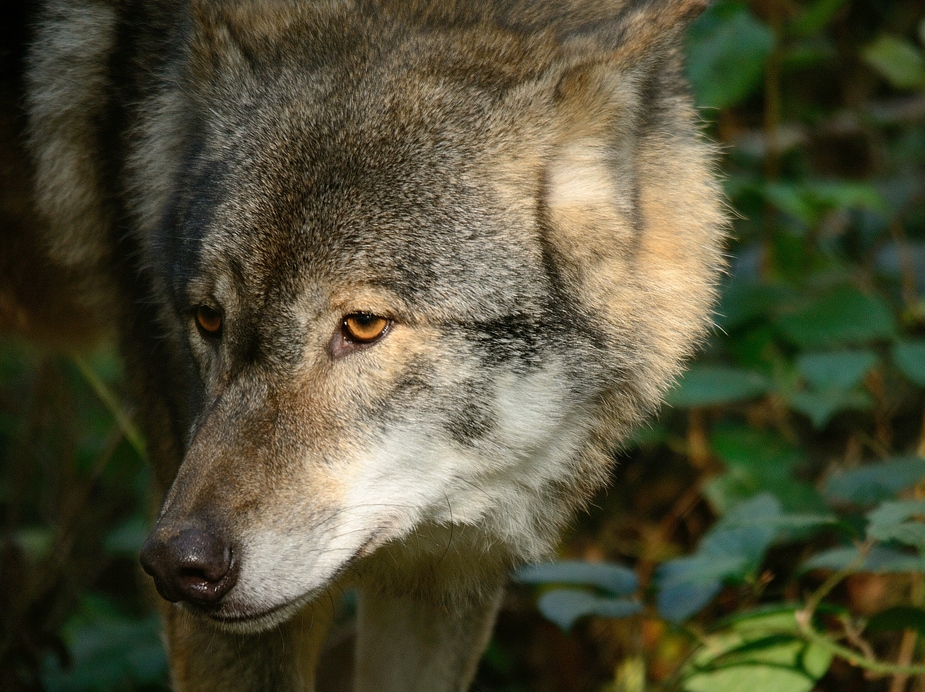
(391, 279)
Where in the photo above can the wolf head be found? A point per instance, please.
(428, 263)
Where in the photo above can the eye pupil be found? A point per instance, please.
(209, 320)
(364, 327)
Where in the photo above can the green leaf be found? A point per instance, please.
(757, 349)
(757, 462)
(780, 615)
(808, 53)
(746, 301)
(891, 522)
(816, 17)
(613, 578)
(708, 385)
(35, 541)
(836, 369)
(730, 488)
(832, 375)
(687, 584)
(565, 606)
(898, 618)
(738, 445)
(108, 651)
(810, 201)
(899, 61)
(875, 482)
(909, 357)
(879, 560)
(760, 508)
(732, 549)
(844, 316)
(786, 523)
(737, 485)
(747, 544)
(843, 194)
(821, 406)
(763, 652)
(792, 200)
(727, 51)
(763, 512)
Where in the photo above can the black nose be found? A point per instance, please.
(189, 564)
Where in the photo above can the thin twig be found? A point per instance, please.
(906, 650)
(131, 431)
(804, 620)
(853, 657)
(853, 635)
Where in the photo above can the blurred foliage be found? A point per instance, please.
(765, 533)
(74, 508)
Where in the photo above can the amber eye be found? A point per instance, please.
(209, 320)
(364, 328)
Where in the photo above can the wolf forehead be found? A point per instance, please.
(389, 173)
(419, 228)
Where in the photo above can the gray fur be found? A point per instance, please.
(519, 187)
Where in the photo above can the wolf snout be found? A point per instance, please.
(190, 564)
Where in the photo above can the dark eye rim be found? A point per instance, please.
(350, 337)
(215, 313)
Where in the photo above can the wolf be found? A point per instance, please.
(391, 279)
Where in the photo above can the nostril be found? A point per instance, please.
(190, 564)
(209, 572)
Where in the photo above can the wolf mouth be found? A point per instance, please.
(256, 621)
(252, 616)
(241, 619)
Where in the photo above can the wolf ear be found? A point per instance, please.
(638, 28)
(632, 211)
(614, 80)
(606, 64)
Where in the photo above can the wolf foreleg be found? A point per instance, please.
(407, 645)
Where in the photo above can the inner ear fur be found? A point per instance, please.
(634, 216)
